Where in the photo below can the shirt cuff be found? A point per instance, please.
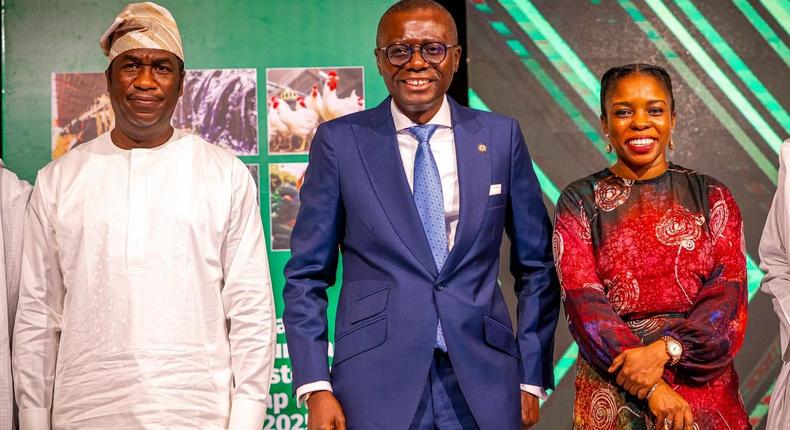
(34, 419)
(536, 391)
(246, 414)
(304, 390)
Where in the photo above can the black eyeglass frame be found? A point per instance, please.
(416, 48)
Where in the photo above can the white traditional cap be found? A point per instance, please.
(142, 25)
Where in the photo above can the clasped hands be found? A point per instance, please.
(638, 370)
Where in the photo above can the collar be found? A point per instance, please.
(402, 122)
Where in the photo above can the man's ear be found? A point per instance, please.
(457, 59)
(378, 59)
(107, 76)
(181, 83)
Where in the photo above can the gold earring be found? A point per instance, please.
(671, 144)
(608, 147)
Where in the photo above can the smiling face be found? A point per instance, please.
(144, 87)
(418, 87)
(639, 121)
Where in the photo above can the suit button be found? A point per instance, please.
(438, 287)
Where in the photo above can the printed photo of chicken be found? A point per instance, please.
(285, 179)
(298, 99)
(219, 105)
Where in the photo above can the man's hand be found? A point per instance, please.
(530, 410)
(640, 368)
(670, 408)
(324, 412)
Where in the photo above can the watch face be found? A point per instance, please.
(674, 349)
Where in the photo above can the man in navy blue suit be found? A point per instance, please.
(415, 194)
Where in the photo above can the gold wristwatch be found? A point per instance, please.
(674, 349)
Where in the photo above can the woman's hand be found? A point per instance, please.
(670, 408)
(640, 368)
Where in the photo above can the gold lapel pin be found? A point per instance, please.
(482, 148)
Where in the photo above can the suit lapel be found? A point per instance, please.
(474, 177)
(378, 146)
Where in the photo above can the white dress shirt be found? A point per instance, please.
(775, 260)
(14, 195)
(145, 300)
(442, 145)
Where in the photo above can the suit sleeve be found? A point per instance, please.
(528, 226)
(313, 264)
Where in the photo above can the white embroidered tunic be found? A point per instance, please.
(775, 260)
(145, 298)
(14, 194)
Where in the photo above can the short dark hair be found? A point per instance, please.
(415, 5)
(615, 74)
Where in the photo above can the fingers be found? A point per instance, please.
(689, 417)
(680, 420)
(660, 420)
(617, 362)
(621, 378)
(641, 394)
(340, 421)
(530, 410)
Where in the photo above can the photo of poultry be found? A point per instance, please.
(299, 99)
(285, 179)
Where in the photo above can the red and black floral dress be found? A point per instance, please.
(641, 259)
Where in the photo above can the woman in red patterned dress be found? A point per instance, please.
(651, 261)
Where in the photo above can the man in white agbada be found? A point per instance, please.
(14, 194)
(775, 260)
(145, 300)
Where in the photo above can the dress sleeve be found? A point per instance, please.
(600, 333)
(713, 330)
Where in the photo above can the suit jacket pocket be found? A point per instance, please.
(360, 339)
(497, 201)
(500, 336)
(369, 299)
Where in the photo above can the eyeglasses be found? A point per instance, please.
(399, 54)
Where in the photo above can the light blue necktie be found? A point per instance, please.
(430, 203)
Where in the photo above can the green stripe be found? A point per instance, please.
(559, 97)
(763, 163)
(735, 63)
(780, 9)
(764, 29)
(712, 69)
(484, 7)
(550, 190)
(559, 53)
(501, 28)
(754, 277)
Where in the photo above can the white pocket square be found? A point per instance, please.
(495, 190)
